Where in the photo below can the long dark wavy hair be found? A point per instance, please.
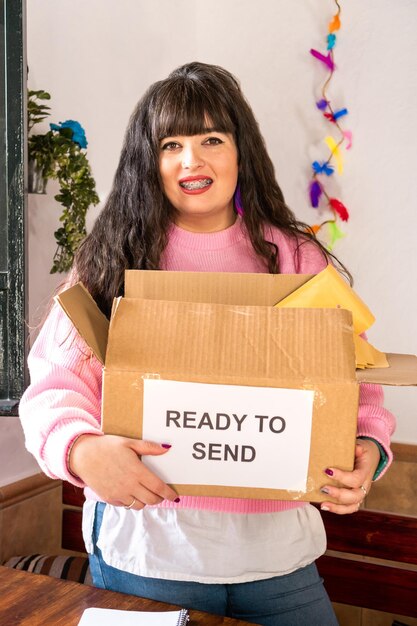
(131, 230)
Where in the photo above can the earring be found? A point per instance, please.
(237, 198)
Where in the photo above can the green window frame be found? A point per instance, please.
(13, 336)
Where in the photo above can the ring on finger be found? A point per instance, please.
(131, 504)
(364, 490)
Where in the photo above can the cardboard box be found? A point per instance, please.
(283, 380)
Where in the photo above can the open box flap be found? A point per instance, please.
(90, 322)
(212, 287)
(402, 371)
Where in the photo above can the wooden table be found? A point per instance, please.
(36, 600)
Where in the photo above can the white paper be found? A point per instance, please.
(214, 444)
(112, 617)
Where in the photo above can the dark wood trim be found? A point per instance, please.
(71, 531)
(370, 586)
(373, 534)
(71, 495)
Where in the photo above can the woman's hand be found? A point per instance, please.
(356, 484)
(111, 467)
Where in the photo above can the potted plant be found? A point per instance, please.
(60, 154)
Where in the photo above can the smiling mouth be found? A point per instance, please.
(192, 185)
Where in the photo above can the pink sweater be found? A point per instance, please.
(64, 397)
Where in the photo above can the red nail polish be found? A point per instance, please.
(177, 500)
(329, 472)
(167, 446)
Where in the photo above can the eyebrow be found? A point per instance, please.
(214, 130)
(203, 132)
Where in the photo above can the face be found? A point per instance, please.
(199, 176)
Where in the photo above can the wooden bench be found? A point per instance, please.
(354, 568)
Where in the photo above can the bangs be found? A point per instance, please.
(183, 108)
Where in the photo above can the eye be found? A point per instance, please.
(170, 145)
(213, 141)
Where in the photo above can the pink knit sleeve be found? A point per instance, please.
(63, 399)
(374, 420)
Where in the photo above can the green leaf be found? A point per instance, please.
(42, 95)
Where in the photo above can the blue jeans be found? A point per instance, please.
(295, 599)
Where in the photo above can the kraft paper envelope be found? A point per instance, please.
(328, 290)
(367, 356)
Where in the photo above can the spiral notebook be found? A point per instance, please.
(113, 617)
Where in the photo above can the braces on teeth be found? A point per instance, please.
(196, 184)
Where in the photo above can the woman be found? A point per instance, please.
(195, 190)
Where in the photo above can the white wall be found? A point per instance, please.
(16, 463)
(97, 58)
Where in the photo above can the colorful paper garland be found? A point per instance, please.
(334, 162)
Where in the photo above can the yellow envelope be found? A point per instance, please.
(367, 355)
(329, 290)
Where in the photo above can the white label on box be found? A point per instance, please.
(229, 435)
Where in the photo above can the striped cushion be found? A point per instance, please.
(67, 567)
